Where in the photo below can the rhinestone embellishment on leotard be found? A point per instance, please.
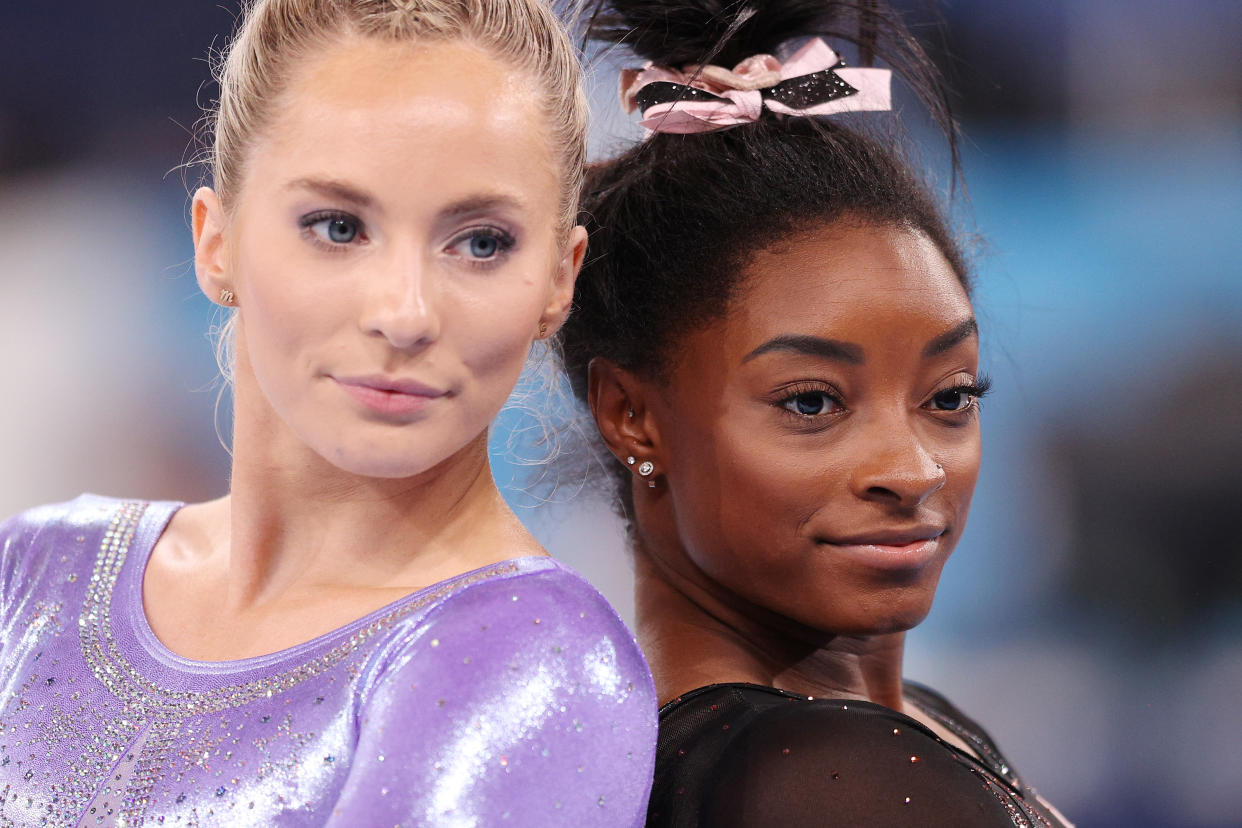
(161, 709)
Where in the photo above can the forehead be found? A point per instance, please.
(410, 119)
(857, 282)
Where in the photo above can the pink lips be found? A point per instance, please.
(892, 550)
(388, 396)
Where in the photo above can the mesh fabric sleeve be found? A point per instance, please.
(844, 765)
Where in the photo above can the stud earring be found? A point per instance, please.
(645, 469)
(226, 296)
(631, 413)
(631, 460)
(543, 329)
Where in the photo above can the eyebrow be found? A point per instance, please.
(852, 354)
(483, 203)
(333, 188)
(811, 346)
(954, 336)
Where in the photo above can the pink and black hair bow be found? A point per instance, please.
(815, 81)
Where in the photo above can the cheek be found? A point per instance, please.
(494, 342)
(742, 499)
(282, 313)
(495, 325)
(959, 452)
(962, 467)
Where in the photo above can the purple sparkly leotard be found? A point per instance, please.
(512, 695)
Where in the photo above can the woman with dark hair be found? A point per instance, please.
(775, 336)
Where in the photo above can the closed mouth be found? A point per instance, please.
(891, 538)
(392, 385)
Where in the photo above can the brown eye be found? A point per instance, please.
(809, 403)
(952, 399)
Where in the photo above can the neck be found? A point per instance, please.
(297, 523)
(693, 635)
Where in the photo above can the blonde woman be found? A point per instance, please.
(360, 632)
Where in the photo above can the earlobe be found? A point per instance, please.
(211, 247)
(562, 296)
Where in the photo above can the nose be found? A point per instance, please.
(403, 303)
(895, 466)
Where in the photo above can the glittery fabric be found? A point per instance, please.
(813, 81)
(749, 756)
(798, 92)
(509, 695)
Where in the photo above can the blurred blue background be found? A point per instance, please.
(1092, 616)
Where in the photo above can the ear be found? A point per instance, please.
(211, 254)
(562, 296)
(618, 401)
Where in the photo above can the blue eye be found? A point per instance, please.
(809, 403)
(483, 245)
(333, 228)
(342, 231)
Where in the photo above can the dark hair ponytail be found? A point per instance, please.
(674, 220)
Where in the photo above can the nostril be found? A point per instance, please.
(884, 493)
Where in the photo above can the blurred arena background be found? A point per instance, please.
(1092, 616)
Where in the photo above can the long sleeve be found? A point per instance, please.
(524, 700)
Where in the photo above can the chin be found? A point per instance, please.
(898, 623)
(388, 465)
(854, 617)
(882, 614)
(384, 451)
(864, 627)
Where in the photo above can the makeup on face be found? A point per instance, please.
(395, 249)
(822, 439)
(390, 397)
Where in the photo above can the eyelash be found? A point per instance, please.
(505, 242)
(308, 221)
(789, 393)
(975, 390)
